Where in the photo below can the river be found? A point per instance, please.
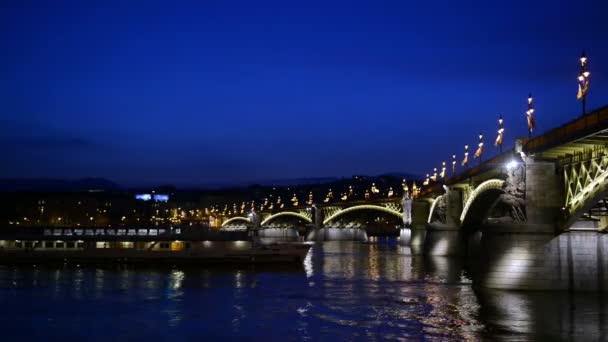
(344, 291)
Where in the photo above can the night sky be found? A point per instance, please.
(221, 92)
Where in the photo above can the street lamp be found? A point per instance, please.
(465, 161)
(583, 82)
(479, 151)
(501, 132)
(530, 115)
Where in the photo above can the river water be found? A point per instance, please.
(344, 291)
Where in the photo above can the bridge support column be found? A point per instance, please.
(415, 235)
(532, 255)
(405, 236)
(543, 192)
(444, 238)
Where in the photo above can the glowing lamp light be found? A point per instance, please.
(512, 164)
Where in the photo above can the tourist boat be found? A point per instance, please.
(167, 245)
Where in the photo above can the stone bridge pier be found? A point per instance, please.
(529, 253)
(512, 228)
(415, 234)
(539, 251)
(444, 235)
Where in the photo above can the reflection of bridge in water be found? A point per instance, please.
(534, 215)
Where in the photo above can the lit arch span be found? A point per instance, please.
(363, 207)
(481, 188)
(237, 218)
(286, 213)
(435, 201)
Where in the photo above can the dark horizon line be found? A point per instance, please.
(6, 182)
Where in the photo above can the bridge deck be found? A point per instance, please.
(590, 129)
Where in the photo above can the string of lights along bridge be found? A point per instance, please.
(274, 201)
(583, 89)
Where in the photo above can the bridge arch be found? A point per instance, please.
(234, 219)
(481, 200)
(433, 205)
(363, 207)
(286, 213)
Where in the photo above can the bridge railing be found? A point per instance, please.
(579, 128)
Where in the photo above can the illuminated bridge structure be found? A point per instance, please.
(326, 214)
(534, 217)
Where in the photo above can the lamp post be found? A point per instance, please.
(465, 161)
(583, 82)
(453, 164)
(530, 115)
(501, 132)
(479, 151)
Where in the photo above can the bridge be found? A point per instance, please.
(343, 220)
(534, 216)
(324, 214)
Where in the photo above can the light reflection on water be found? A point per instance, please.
(343, 291)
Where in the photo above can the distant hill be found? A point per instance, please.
(102, 184)
(300, 181)
(406, 176)
(45, 185)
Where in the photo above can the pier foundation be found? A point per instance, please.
(443, 240)
(533, 257)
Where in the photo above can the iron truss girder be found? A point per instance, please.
(585, 177)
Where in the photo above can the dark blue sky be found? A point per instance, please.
(214, 92)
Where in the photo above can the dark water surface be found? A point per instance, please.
(344, 291)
